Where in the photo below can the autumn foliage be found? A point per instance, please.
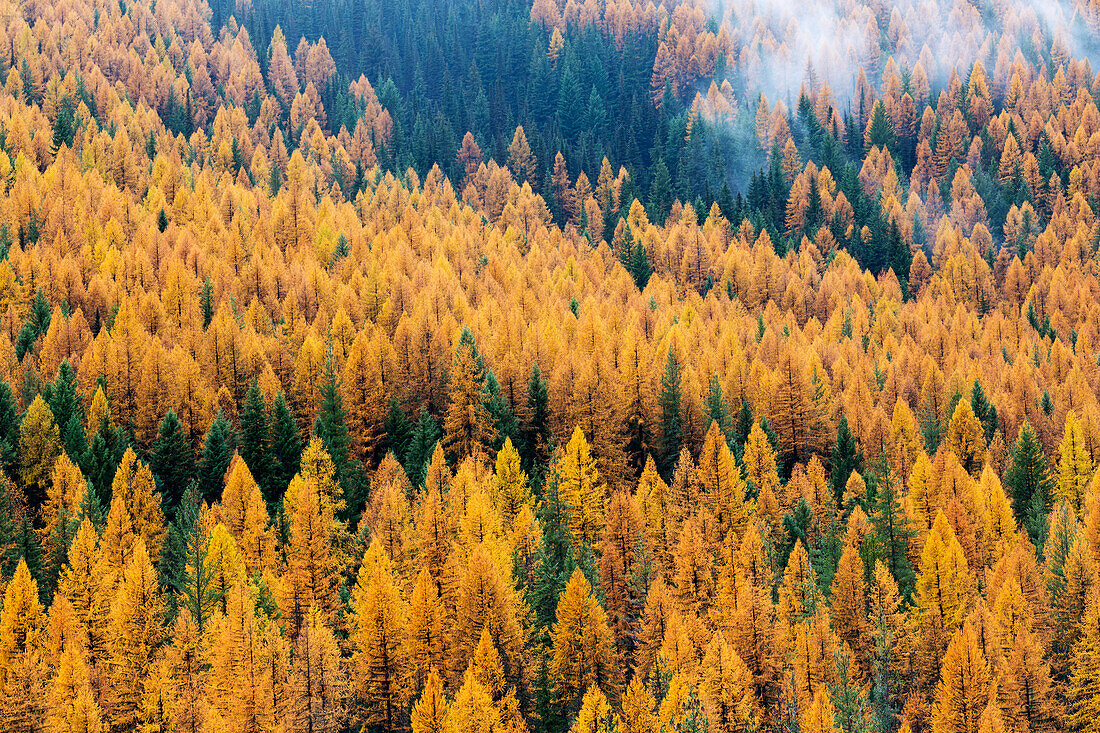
(292, 440)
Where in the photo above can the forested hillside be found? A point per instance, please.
(604, 367)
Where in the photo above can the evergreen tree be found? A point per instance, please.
(717, 410)
(286, 449)
(880, 130)
(555, 562)
(255, 438)
(196, 585)
(846, 458)
(217, 450)
(28, 548)
(331, 423)
(9, 426)
(892, 527)
(102, 456)
(399, 432)
(741, 429)
(670, 421)
(535, 446)
(500, 412)
(425, 435)
(172, 461)
(56, 554)
(206, 302)
(65, 404)
(660, 192)
(1030, 484)
(639, 266)
(9, 548)
(983, 410)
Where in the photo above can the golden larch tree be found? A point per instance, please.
(21, 674)
(580, 488)
(1074, 465)
(135, 485)
(378, 624)
(583, 648)
(964, 687)
(134, 633)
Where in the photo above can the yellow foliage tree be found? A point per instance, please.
(429, 714)
(377, 632)
(581, 490)
(39, 447)
(134, 484)
(1074, 466)
(965, 438)
(965, 685)
(134, 633)
(21, 675)
(512, 489)
(583, 648)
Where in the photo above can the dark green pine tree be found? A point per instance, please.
(255, 438)
(555, 562)
(398, 431)
(639, 267)
(331, 424)
(846, 458)
(38, 320)
(741, 429)
(57, 552)
(425, 436)
(670, 424)
(173, 558)
(9, 427)
(1029, 484)
(535, 448)
(72, 436)
(102, 456)
(26, 542)
(97, 464)
(660, 193)
(9, 549)
(172, 461)
(92, 509)
(627, 251)
(570, 103)
(40, 311)
(797, 525)
(286, 449)
(548, 709)
(182, 566)
(891, 526)
(899, 257)
(881, 130)
(65, 404)
(217, 451)
(500, 411)
(848, 695)
(206, 302)
(983, 410)
(716, 409)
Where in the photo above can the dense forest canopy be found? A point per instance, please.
(605, 367)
